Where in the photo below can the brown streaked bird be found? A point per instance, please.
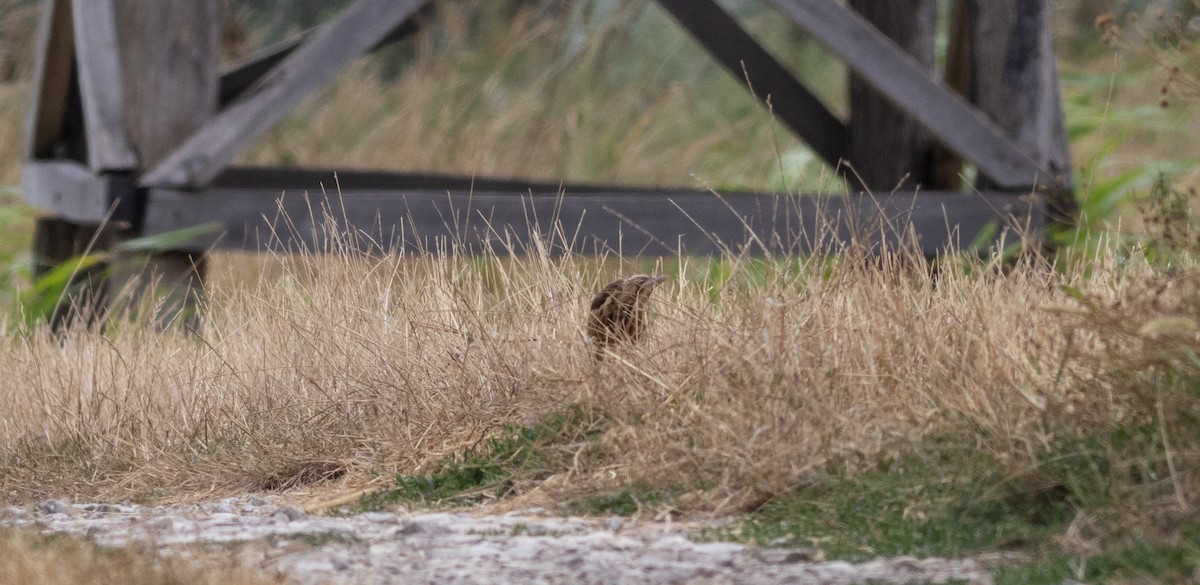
(618, 313)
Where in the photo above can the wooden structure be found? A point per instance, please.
(120, 135)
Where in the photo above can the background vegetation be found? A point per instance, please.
(1043, 406)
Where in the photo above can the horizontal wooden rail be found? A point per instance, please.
(68, 189)
(261, 208)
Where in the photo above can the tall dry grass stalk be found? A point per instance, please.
(343, 368)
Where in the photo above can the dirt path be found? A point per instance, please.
(527, 547)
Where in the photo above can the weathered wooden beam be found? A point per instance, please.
(748, 61)
(170, 83)
(99, 69)
(51, 84)
(170, 80)
(261, 208)
(240, 76)
(202, 156)
(68, 189)
(901, 79)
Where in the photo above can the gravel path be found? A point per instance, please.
(526, 547)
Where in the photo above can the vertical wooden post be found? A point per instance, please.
(1014, 80)
(887, 146)
(947, 164)
(55, 130)
(169, 52)
(55, 241)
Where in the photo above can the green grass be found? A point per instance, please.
(946, 499)
(1137, 562)
(16, 235)
(519, 454)
(627, 502)
(941, 500)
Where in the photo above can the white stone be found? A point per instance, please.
(441, 548)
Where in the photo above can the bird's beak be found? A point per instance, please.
(658, 279)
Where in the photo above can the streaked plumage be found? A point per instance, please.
(618, 313)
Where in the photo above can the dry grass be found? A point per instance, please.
(340, 367)
(28, 559)
(334, 372)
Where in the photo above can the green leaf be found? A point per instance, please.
(54, 287)
(1073, 292)
(58, 278)
(984, 238)
(171, 240)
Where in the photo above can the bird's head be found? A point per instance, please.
(644, 284)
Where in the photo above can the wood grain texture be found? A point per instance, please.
(888, 148)
(902, 79)
(206, 153)
(748, 61)
(169, 53)
(1014, 81)
(241, 76)
(67, 188)
(100, 84)
(169, 67)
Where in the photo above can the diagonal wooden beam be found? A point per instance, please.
(51, 86)
(242, 75)
(202, 156)
(738, 52)
(98, 62)
(901, 79)
(245, 73)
